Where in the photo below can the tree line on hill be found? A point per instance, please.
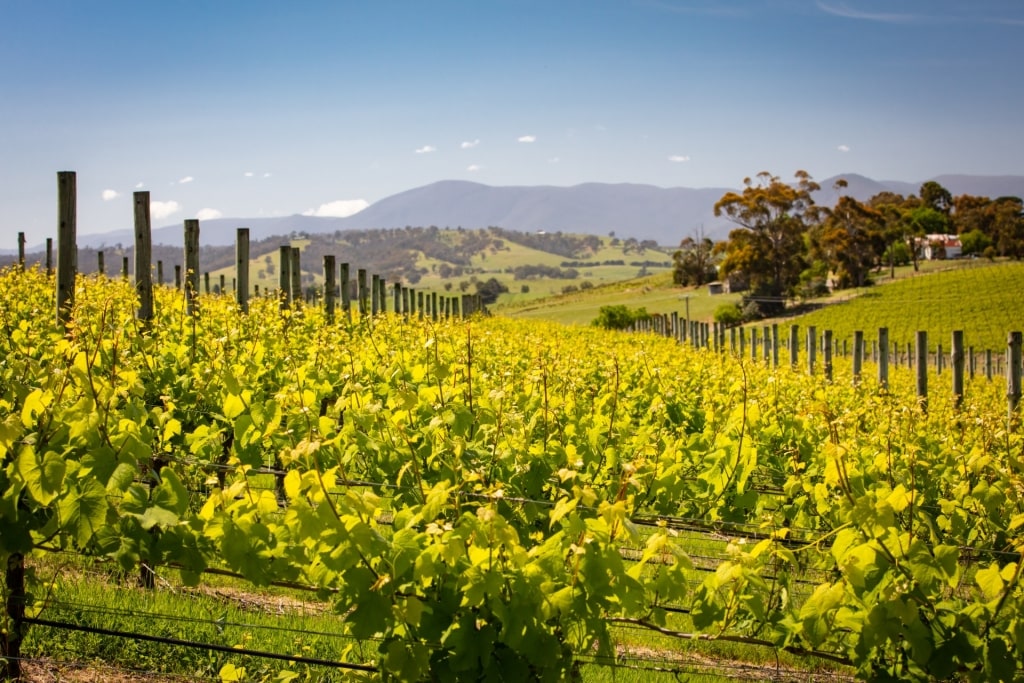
(785, 245)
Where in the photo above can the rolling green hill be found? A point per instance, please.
(982, 299)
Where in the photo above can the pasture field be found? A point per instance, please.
(487, 498)
(982, 299)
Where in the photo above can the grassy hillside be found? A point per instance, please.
(656, 293)
(982, 299)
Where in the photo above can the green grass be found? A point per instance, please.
(982, 299)
(656, 293)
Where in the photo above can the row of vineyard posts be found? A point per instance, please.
(371, 295)
(368, 295)
(916, 356)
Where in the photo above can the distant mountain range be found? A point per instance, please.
(645, 212)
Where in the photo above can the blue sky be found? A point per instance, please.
(245, 109)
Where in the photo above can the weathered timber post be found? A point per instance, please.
(329, 287)
(794, 345)
(398, 298)
(939, 359)
(812, 348)
(419, 303)
(827, 349)
(743, 342)
(296, 284)
(100, 268)
(67, 246)
(21, 250)
(284, 276)
(971, 364)
(49, 256)
(143, 257)
(206, 282)
(858, 355)
(223, 288)
(958, 367)
(1013, 375)
(191, 264)
(374, 294)
(124, 267)
(988, 364)
(361, 292)
(433, 306)
(775, 346)
(177, 276)
(241, 269)
(753, 343)
(344, 284)
(159, 272)
(922, 369)
(10, 643)
(883, 357)
(405, 302)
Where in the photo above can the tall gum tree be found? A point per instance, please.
(768, 247)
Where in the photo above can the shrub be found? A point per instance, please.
(619, 317)
(729, 315)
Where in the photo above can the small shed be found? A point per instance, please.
(716, 287)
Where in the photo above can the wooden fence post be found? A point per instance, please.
(223, 287)
(812, 348)
(124, 267)
(419, 303)
(827, 350)
(794, 345)
(241, 269)
(296, 273)
(177, 276)
(159, 272)
(191, 264)
(49, 256)
(958, 367)
(10, 643)
(361, 292)
(922, 369)
(206, 282)
(344, 286)
(143, 257)
(398, 298)
(1013, 374)
(858, 355)
(284, 276)
(100, 266)
(883, 357)
(775, 346)
(329, 287)
(67, 246)
(21, 250)
(374, 294)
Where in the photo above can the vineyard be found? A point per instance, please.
(490, 499)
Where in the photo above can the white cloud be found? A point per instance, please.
(843, 148)
(473, 168)
(186, 179)
(248, 174)
(110, 194)
(159, 210)
(678, 158)
(528, 138)
(208, 214)
(469, 144)
(340, 208)
(139, 185)
(426, 149)
(266, 175)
